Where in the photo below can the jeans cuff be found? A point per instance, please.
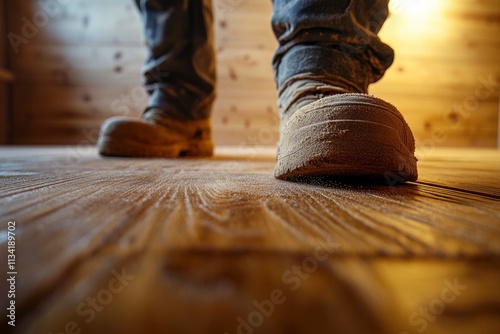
(324, 61)
(177, 106)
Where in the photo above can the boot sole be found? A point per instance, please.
(122, 147)
(340, 140)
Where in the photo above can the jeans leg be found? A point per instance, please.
(179, 73)
(334, 40)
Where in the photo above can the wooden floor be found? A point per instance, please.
(220, 246)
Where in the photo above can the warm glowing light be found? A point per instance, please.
(414, 8)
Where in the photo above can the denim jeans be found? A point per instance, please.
(331, 40)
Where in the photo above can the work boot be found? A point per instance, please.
(155, 135)
(328, 131)
(180, 77)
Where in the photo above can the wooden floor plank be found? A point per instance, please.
(217, 234)
(471, 171)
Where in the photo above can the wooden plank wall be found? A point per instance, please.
(4, 76)
(446, 73)
(83, 65)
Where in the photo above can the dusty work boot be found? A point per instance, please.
(328, 54)
(326, 131)
(155, 135)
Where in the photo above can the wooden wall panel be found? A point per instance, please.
(84, 65)
(446, 72)
(4, 77)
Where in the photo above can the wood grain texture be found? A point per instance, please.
(443, 59)
(202, 241)
(5, 76)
